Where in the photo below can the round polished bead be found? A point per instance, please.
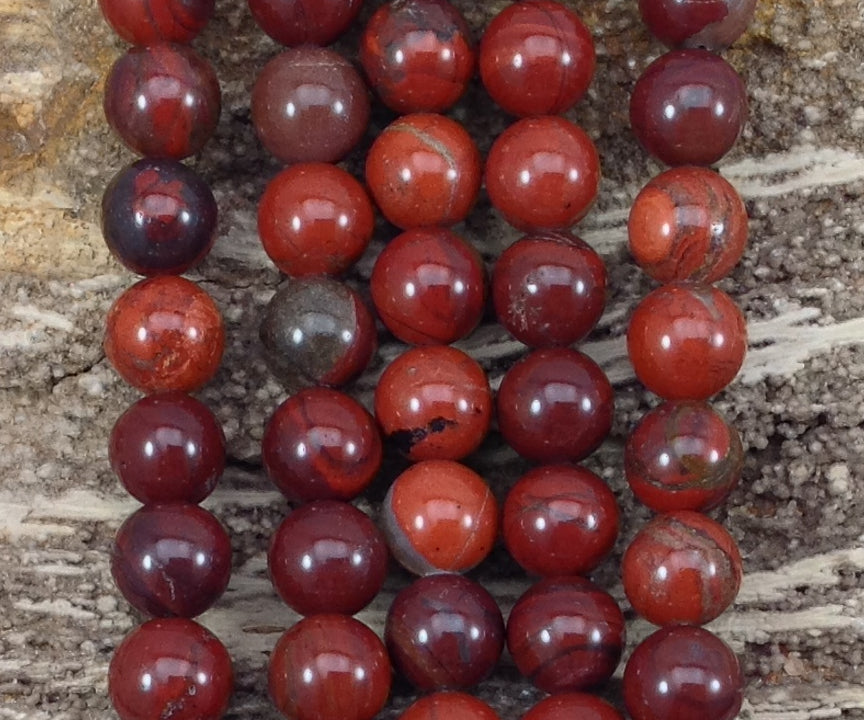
(321, 445)
(143, 22)
(572, 706)
(300, 22)
(163, 100)
(549, 289)
(329, 666)
(167, 448)
(315, 219)
(418, 55)
(327, 557)
(681, 673)
(439, 516)
(164, 333)
(688, 224)
(317, 330)
(560, 520)
(444, 631)
(451, 705)
(543, 174)
(158, 217)
(682, 568)
(688, 108)
(424, 170)
(713, 25)
(683, 456)
(170, 668)
(429, 287)
(566, 634)
(309, 104)
(687, 342)
(537, 58)
(434, 403)
(555, 405)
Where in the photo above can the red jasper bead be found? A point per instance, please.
(451, 705)
(570, 706)
(321, 445)
(434, 403)
(439, 516)
(688, 108)
(162, 100)
(543, 174)
(424, 170)
(549, 289)
(444, 631)
(327, 557)
(687, 342)
(681, 673)
(429, 287)
(418, 55)
(713, 25)
(315, 219)
(309, 104)
(683, 456)
(555, 405)
(566, 634)
(688, 224)
(298, 22)
(537, 58)
(560, 520)
(682, 568)
(143, 22)
(329, 666)
(170, 668)
(164, 333)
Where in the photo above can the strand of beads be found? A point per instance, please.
(171, 559)
(687, 340)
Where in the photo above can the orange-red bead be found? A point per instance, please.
(451, 705)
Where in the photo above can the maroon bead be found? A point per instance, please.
(681, 673)
(560, 520)
(143, 22)
(309, 104)
(549, 289)
(444, 631)
(163, 100)
(298, 22)
(555, 405)
(683, 456)
(688, 108)
(170, 668)
(321, 445)
(167, 448)
(566, 634)
(572, 706)
(327, 557)
(709, 24)
(428, 286)
(450, 705)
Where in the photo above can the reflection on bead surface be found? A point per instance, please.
(537, 58)
(297, 22)
(681, 673)
(450, 705)
(572, 706)
(709, 24)
(142, 22)
(444, 631)
(439, 516)
(683, 456)
(170, 668)
(687, 342)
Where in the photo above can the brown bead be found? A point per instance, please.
(709, 24)
(297, 22)
(143, 22)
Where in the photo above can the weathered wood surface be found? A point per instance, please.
(799, 403)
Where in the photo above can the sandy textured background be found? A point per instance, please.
(799, 402)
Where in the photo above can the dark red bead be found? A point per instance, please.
(329, 666)
(429, 287)
(143, 22)
(321, 445)
(681, 673)
(566, 634)
(549, 289)
(555, 405)
(444, 631)
(560, 520)
(572, 706)
(450, 705)
(170, 668)
(688, 108)
(167, 448)
(683, 456)
(163, 100)
(709, 24)
(537, 58)
(298, 22)
(687, 342)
